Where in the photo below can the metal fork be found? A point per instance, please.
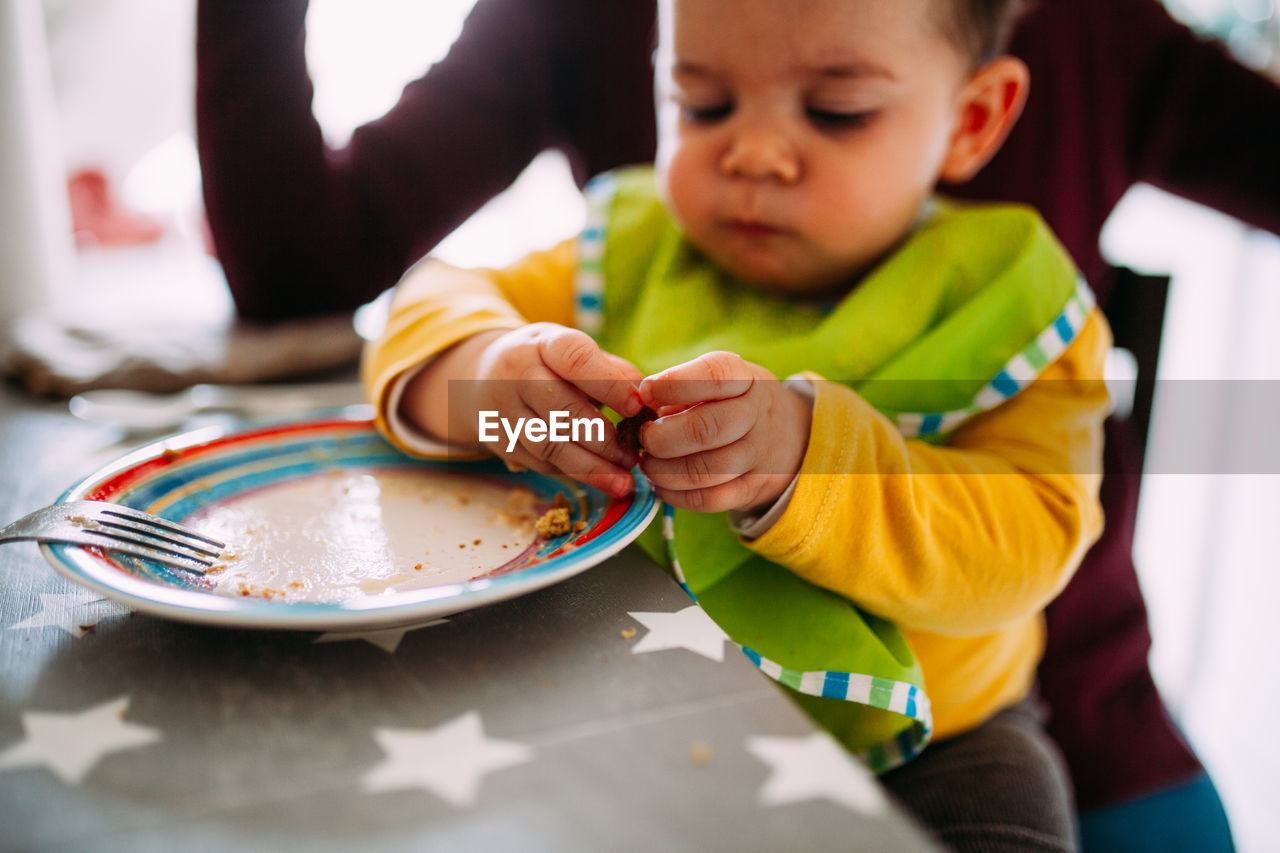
(113, 527)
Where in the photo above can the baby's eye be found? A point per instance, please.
(838, 120)
(708, 114)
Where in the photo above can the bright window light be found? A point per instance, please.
(361, 54)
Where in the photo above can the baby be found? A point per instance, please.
(865, 393)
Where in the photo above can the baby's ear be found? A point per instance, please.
(991, 102)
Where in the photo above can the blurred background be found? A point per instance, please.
(116, 128)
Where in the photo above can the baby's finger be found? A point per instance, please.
(500, 432)
(574, 356)
(699, 470)
(570, 417)
(528, 426)
(714, 376)
(726, 496)
(516, 443)
(582, 465)
(520, 459)
(699, 428)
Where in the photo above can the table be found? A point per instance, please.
(536, 724)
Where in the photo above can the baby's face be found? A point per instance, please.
(799, 138)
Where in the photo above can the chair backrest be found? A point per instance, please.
(1135, 309)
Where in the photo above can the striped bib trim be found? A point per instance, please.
(887, 694)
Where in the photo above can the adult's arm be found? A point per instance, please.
(1203, 126)
(1122, 93)
(302, 228)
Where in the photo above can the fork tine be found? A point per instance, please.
(144, 518)
(113, 527)
(142, 534)
(130, 544)
(186, 539)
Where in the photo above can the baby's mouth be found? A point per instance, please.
(754, 229)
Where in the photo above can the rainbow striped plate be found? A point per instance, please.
(186, 476)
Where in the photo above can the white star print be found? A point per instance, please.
(71, 744)
(388, 640)
(814, 767)
(690, 628)
(450, 760)
(74, 612)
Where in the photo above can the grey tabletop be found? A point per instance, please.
(578, 717)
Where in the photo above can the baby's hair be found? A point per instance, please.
(981, 28)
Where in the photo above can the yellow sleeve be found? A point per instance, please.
(436, 305)
(963, 539)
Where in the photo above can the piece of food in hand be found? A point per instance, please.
(629, 430)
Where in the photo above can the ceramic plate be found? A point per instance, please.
(394, 541)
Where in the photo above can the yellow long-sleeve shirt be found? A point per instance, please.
(961, 545)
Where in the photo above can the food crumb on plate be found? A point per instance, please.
(554, 522)
(365, 534)
(246, 590)
(519, 509)
(627, 633)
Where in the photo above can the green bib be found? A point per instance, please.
(966, 313)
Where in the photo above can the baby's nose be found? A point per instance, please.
(760, 154)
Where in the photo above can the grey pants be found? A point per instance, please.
(1000, 787)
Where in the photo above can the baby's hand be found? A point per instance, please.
(538, 369)
(730, 435)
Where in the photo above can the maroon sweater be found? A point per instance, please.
(1120, 94)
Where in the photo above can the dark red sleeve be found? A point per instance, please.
(304, 229)
(1207, 128)
(1121, 93)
